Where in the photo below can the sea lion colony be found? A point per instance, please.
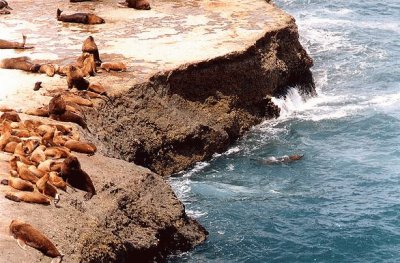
(41, 160)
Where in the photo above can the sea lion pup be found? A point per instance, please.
(48, 69)
(81, 147)
(27, 234)
(4, 44)
(18, 184)
(115, 66)
(73, 175)
(28, 197)
(89, 46)
(282, 159)
(10, 116)
(38, 86)
(81, 18)
(21, 63)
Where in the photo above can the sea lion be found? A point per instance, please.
(28, 197)
(38, 86)
(81, 147)
(45, 188)
(4, 12)
(21, 63)
(38, 173)
(57, 105)
(81, 18)
(27, 234)
(10, 147)
(48, 69)
(18, 184)
(73, 175)
(38, 155)
(282, 159)
(97, 88)
(68, 116)
(90, 47)
(137, 4)
(115, 66)
(57, 181)
(57, 152)
(77, 99)
(10, 116)
(41, 112)
(75, 78)
(4, 44)
(87, 64)
(25, 174)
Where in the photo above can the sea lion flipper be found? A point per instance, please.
(21, 243)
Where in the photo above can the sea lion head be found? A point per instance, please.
(72, 163)
(57, 105)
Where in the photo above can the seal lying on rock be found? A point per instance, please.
(73, 175)
(21, 63)
(115, 66)
(27, 234)
(137, 4)
(282, 159)
(4, 44)
(82, 18)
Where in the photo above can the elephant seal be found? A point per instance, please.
(81, 18)
(27, 234)
(73, 175)
(4, 44)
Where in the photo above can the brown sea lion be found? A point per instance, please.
(38, 86)
(48, 69)
(68, 116)
(57, 105)
(10, 147)
(75, 78)
(81, 147)
(97, 88)
(10, 116)
(25, 174)
(28, 197)
(41, 112)
(77, 99)
(4, 12)
(73, 175)
(4, 44)
(87, 64)
(115, 66)
(38, 154)
(45, 188)
(18, 184)
(137, 4)
(38, 173)
(89, 46)
(27, 234)
(81, 18)
(57, 181)
(57, 152)
(21, 63)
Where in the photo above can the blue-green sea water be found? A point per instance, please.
(341, 202)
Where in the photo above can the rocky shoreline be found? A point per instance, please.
(166, 119)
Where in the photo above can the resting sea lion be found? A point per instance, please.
(69, 116)
(41, 112)
(89, 46)
(137, 4)
(27, 234)
(57, 105)
(4, 44)
(82, 18)
(18, 184)
(28, 197)
(87, 64)
(81, 147)
(115, 66)
(10, 116)
(57, 181)
(45, 188)
(73, 175)
(21, 63)
(48, 69)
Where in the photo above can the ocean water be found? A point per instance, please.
(341, 202)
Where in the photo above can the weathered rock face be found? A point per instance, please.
(134, 216)
(185, 115)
